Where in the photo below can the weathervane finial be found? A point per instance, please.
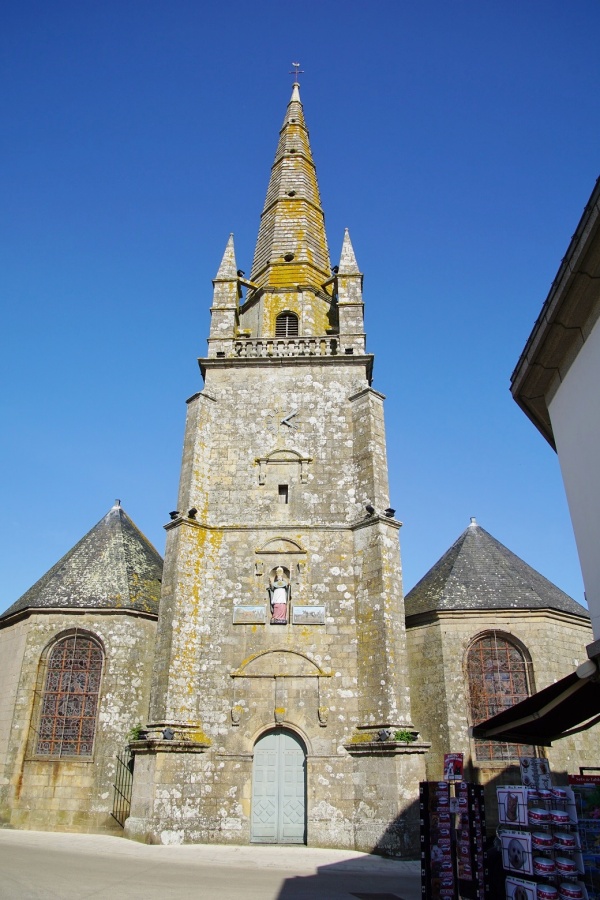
(297, 71)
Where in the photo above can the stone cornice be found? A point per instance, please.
(275, 530)
(231, 362)
(374, 519)
(145, 748)
(435, 617)
(74, 611)
(387, 748)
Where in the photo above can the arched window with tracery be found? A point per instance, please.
(499, 675)
(69, 703)
(286, 325)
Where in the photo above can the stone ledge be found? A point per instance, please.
(386, 748)
(163, 746)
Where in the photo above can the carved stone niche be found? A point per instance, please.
(283, 458)
(281, 551)
(279, 595)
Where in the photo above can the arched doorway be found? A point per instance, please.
(279, 789)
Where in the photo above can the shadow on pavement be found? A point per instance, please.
(383, 880)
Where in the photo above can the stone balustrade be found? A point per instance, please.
(297, 346)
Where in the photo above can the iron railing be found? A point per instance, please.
(123, 787)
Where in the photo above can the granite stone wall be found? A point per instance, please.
(437, 648)
(70, 793)
(282, 457)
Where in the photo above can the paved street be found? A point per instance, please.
(48, 866)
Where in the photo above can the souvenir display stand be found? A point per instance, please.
(586, 790)
(452, 819)
(540, 843)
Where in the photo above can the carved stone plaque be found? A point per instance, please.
(308, 615)
(249, 615)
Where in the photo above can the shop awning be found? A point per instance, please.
(566, 707)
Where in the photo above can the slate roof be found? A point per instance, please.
(292, 221)
(478, 572)
(113, 567)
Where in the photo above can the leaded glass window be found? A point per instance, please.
(498, 678)
(69, 703)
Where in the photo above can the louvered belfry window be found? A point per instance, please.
(69, 703)
(286, 325)
(498, 678)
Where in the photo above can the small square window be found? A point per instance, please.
(283, 493)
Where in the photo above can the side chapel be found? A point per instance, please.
(274, 678)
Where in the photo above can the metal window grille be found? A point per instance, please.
(498, 678)
(286, 325)
(70, 699)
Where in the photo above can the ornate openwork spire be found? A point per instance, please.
(292, 246)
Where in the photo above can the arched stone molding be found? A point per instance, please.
(283, 458)
(263, 730)
(281, 670)
(87, 689)
(521, 685)
(314, 672)
(512, 639)
(279, 545)
(283, 551)
(74, 631)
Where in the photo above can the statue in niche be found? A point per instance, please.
(279, 593)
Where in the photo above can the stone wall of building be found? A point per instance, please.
(281, 459)
(12, 647)
(73, 793)
(437, 648)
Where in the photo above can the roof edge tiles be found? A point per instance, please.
(114, 566)
(478, 572)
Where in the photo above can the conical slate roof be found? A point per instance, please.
(113, 567)
(478, 572)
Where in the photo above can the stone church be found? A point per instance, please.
(282, 692)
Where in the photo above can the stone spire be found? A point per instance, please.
(292, 246)
(349, 281)
(348, 264)
(228, 268)
(225, 305)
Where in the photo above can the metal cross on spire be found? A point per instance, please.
(297, 71)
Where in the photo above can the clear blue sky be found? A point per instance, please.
(459, 142)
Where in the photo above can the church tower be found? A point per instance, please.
(280, 678)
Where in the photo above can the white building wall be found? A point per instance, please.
(575, 416)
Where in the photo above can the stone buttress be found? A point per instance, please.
(282, 610)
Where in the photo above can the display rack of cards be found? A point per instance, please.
(438, 869)
(452, 820)
(470, 836)
(541, 848)
(586, 790)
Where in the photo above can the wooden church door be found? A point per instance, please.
(279, 789)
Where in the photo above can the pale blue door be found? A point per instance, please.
(279, 789)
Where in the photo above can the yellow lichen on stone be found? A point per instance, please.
(362, 738)
(199, 737)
